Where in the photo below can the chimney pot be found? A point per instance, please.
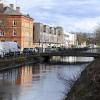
(18, 9)
(12, 6)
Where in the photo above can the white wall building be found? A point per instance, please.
(69, 39)
(46, 35)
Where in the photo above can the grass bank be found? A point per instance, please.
(87, 87)
(12, 62)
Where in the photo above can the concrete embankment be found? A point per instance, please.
(8, 63)
(87, 87)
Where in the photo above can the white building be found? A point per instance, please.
(69, 39)
(45, 35)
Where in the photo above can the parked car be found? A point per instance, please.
(35, 50)
(51, 49)
(39, 49)
(26, 51)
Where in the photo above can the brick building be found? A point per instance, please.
(15, 26)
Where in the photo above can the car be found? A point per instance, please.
(26, 51)
(39, 49)
(51, 49)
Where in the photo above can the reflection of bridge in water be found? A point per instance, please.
(75, 52)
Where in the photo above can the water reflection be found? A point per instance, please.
(36, 82)
(72, 59)
(24, 76)
(11, 82)
(20, 76)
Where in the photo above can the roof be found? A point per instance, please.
(10, 11)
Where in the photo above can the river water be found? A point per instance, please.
(38, 81)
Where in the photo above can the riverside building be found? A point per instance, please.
(70, 39)
(18, 27)
(15, 26)
(45, 35)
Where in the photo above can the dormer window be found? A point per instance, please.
(14, 23)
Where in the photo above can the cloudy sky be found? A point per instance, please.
(73, 15)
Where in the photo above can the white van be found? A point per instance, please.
(3, 49)
(7, 48)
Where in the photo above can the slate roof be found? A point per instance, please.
(10, 11)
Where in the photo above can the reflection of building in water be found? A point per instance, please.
(24, 76)
(21, 76)
(36, 72)
(10, 79)
(39, 71)
(9, 76)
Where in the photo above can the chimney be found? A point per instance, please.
(11, 6)
(18, 9)
(1, 6)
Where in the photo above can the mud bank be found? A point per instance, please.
(87, 87)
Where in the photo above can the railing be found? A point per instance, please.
(92, 52)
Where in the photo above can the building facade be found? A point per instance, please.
(70, 39)
(46, 35)
(20, 28)
(15, 26)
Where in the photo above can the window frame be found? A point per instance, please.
(14, 23)
(14, 33)
(2, 33)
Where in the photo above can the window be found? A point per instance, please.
(14, 33)
(15, 41)
(2, 33)
(44, 28)
(2, 40)
(67, 35)
(50, 30)
(55, 31)
(14, 23)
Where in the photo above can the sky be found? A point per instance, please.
(72, 15)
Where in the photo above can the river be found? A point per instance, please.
(39, 81)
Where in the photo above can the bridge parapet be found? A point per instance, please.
(72, 52)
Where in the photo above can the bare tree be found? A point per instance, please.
(97, 35)
(81, 37)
